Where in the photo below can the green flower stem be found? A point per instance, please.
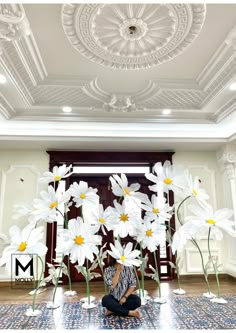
(214, 265)
(178, 213)
(40, 279)
(57, 279)
(142, 271)
(68, 269)
(203, 266)
(136, 274)
(157, 274)
(177, 271)
(87, 282)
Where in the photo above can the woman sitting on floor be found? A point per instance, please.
(122, 282)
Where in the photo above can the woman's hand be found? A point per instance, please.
(122, 300)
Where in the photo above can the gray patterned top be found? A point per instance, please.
(126, 280)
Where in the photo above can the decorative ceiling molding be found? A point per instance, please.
(14, 23)
(132, 36)
(225, 110)
(6, 110)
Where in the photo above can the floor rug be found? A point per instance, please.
(180, 312)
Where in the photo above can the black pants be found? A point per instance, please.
(112, 304)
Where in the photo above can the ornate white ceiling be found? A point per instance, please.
(83, 55)
(132, 36)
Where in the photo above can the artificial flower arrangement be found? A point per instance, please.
(80, 242)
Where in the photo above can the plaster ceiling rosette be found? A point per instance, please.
(132, 36)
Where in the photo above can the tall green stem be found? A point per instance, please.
(142, 271)
(68, 269)
(136, 274)
(157, 274)
(57, 279)
(214, 265)
(40, 279)
(87, 282)
(203, 265)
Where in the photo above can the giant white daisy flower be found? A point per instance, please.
(99, 219)
(82, 194)
(150, 235)
(124, 255)
(194, 190)
(121, 189)
(122, 220)
(57, 174)
(198, 225)
(168, 177)
(46, 208)
(79, 241)
(26, 241)
(157, 209)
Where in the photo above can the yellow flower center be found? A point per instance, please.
(149, 232)
(79, 240)
(22, 246)
(124, 218)
(82, 196)
(167, 181)
(122, 258)
(126, 191)
(155, 210)
(53, 204)
(195, 193)
(101, 220)
(57, 178)
(211, 222)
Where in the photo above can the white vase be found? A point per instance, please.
(85, 299)
(179, 291)
(219, 300)
(33, 313)
(39, 291)
(160, 300)
(209, 295)
(87, 305)
(52, 305)
(70, 293)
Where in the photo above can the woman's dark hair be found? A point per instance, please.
(111, 261)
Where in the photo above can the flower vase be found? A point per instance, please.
(33, 313)
(159, 300)
(209, 295)
(52, 305)
(70, 293)
(219, 300)
(179, 291)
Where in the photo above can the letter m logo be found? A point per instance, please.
(24, 268)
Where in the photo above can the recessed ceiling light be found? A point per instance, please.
(66, 109)
(2, 79)
(166, 111)
(232, 86)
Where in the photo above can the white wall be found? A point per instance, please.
(19, 173)
(205, 166)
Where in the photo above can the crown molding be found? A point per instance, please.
(225, 110)
(6, 110)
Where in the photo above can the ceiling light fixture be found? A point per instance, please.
(166, 111)
(67, 109)
(232, 86)
(2, 79)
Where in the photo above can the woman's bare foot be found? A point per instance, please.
(134, 313)
(108, 312)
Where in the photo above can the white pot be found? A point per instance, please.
(160, 300)
(179, 291)
(87, 305)
(209, 295)
(219, 300)
(85, 299)
(70, 293)
(51, 305)
(31, 313)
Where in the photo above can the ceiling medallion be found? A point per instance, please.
(132, 36)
